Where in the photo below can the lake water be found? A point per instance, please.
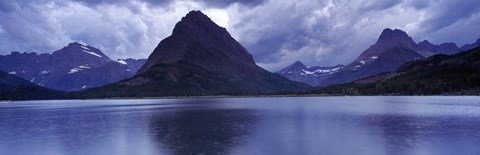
(244, 126)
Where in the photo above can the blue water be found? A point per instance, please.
(298, 125)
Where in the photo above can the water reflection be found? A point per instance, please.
(323, 125)
(210, 131)
(425, 134)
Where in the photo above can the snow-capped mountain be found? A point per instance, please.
(309, 75)
(392, 49)
(74, 67)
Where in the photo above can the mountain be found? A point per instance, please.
(309, 75)
(457, 74)
(388, 39)
(444, 48)
(392, 49)
(199, 58)
(15, 88)
(74, 67)
(470, 46)
(76, 54)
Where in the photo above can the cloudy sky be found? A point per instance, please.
(276, 32)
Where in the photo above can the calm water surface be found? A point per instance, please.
(300, 125)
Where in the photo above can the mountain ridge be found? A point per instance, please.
(457, 74)
(74, 67)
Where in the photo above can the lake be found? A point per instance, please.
(243, 126)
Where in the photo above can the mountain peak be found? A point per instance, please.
(197, 23)
(298, 64)
(75, 44)
(195, 14)
(194, 36)
(76, 54)
(425, 42)
(76, 47)
(390, 35)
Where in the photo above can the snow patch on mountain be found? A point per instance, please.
(319, 71)
(92, 53)
(44, 72)
(84, 47)
(78, 69)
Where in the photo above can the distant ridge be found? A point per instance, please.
(309, 75)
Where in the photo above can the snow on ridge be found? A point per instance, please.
(122, 61)
(85, 47)
(374, 57)
(321, 71)
(13, 72)
(92, 53)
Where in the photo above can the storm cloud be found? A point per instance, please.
(276, 32)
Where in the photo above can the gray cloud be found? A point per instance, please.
(164, 3)
(448, 13)
(375, 5)
(122, 2)
(226, 3)
(332, 32)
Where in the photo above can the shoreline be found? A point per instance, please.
(248, 96)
